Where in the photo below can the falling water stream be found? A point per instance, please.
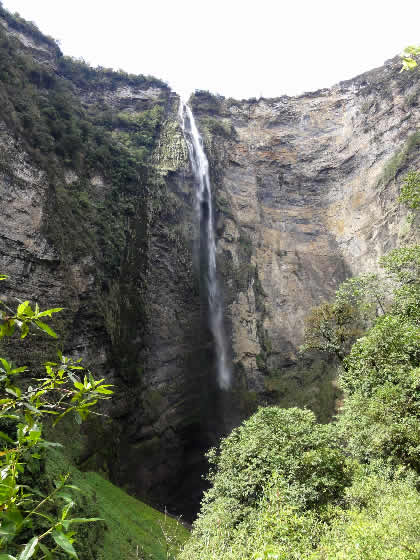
(204, 209)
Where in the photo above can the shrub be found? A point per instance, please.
(387, 526)
(280, 459)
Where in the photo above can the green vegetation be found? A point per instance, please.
(28, 28)
(217, 127)
(319, 393)
(286, 487)
(84, 76)
(133, 526)
(45, 502)
(334, 327)
(205, 102)
(41, 109)
(409, 57)
(279, 460)
(381, 521)
(399, 160)
(35, 520)
(129, 528)
(410, 191)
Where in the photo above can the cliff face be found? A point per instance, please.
(307, 191)
(98, 217)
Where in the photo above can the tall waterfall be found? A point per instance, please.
(204, 209)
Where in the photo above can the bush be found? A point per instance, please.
(286, 441)
(278, 456)
(387, 526)
(386, 354)
(410, 192)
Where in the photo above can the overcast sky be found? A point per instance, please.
(236, 48)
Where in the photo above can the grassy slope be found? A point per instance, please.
(131, 523)
(131, 529)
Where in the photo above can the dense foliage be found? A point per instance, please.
(41, 107)
(410, 192)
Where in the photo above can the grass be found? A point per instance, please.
(130, 529)
(134, 530)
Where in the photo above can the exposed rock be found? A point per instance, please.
(305, 191)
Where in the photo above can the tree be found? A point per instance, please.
(277, 458)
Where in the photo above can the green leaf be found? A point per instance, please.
(29, 549)
(66, 497)
(13, 516)
(66, 509)
(50, 444)
(64, 542)
(73, 487)
(24, 309)
(46, 328)
(46, 551)
(24, 330)
(8, 529)
(31, 408)
(5, 437)
(49, 312)
(15, 391)
(3, 277)
(103, 390)
(18, 370)
(6, 364)
(6, 556)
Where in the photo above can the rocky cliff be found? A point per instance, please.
(307, 192)
(97, 200)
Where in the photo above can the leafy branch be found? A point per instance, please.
(66, 388)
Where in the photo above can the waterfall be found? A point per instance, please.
(204, 210)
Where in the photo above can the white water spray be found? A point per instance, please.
(204, 209)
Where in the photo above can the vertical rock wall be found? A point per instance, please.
(305, 193)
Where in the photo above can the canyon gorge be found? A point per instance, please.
(304, 195)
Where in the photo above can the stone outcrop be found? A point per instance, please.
(305, 192)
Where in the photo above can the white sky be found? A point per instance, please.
(237, 48)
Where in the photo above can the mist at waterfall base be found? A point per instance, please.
(204, 212)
